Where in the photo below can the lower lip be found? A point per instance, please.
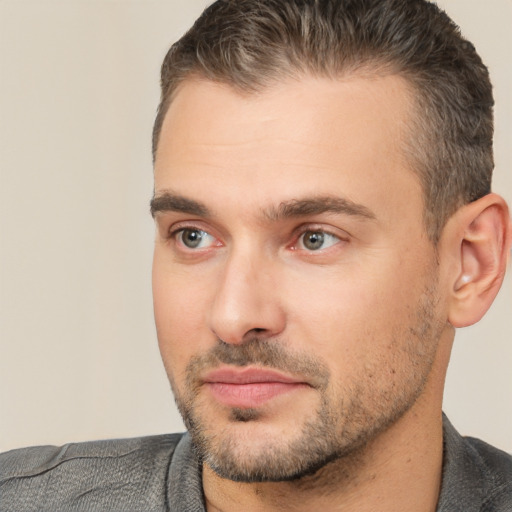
(251, 395)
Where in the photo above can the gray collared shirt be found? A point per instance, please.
(162, 473)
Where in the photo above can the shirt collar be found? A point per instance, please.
(463, 478)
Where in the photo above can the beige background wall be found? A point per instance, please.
(78, 354)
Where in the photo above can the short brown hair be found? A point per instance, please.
(251, 44)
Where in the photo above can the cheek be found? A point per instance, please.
(350, 318)
(340, 300)
(179, 301)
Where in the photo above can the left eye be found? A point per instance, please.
(195, 238)
(316, 240)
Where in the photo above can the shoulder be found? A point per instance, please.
(477, 477)
(111, 475)
(496, 466)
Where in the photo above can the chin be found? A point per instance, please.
(251, 446)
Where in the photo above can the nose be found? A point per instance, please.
(246, 302)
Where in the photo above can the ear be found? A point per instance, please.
(479, 237)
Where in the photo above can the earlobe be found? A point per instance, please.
(482, 236)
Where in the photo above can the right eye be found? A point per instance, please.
(193, 238)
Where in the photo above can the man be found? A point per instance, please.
(324, 223)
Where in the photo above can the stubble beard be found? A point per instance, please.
(345, 421)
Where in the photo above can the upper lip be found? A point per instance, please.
(249, 375)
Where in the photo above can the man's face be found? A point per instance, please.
(294, 286)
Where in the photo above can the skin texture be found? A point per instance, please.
(360, 321)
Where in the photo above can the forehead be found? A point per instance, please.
(299, 104)
(313, 136)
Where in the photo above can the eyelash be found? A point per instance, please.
(180, 233)
(176, 231)
(302, 230)
(323, 238)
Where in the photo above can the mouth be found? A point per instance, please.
(249, 387)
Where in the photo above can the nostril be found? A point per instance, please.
(258, 333)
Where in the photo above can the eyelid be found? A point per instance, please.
(173, 232)
(341, 235)
(205, 241)
(176, 227)
(328, 230)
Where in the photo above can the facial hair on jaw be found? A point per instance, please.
(341, 424)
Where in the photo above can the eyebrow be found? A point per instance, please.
(316, 205)
(169, 202)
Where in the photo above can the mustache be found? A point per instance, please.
(259, 352)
